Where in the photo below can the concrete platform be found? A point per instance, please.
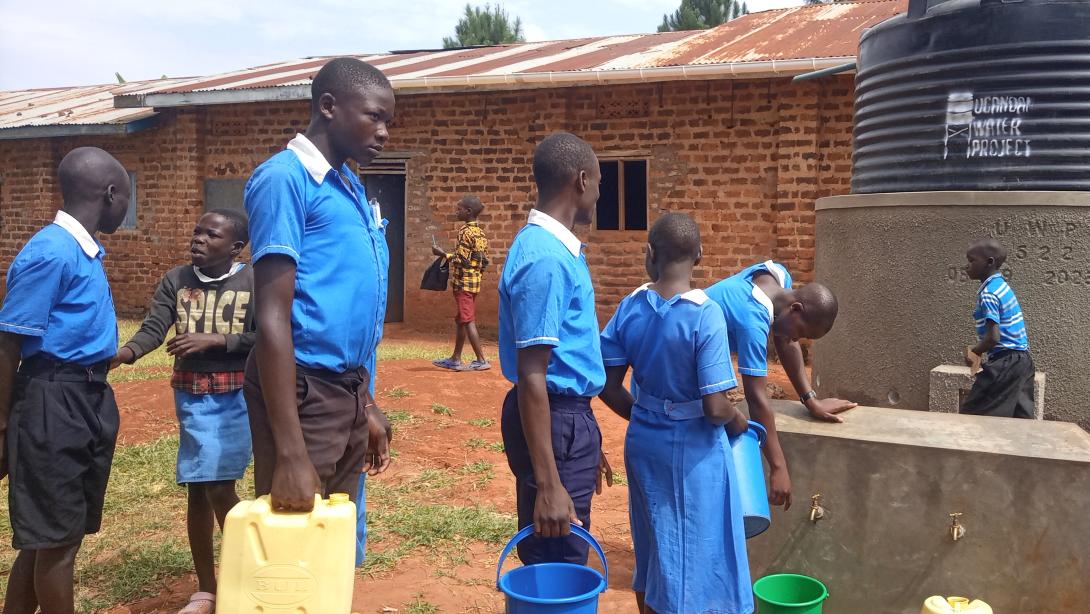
(889, 480)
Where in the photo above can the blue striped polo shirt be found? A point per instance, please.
(996, 302)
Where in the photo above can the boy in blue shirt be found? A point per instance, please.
(760, 301)
(320, 267)
(1004, 386)
(685, 512)
(58, 417)
(549, 350)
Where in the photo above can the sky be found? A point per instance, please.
(80, 42)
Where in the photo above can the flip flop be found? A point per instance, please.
(446, 363)
(200, 603)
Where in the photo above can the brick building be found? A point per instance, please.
(708, 123)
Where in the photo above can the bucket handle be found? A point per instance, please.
(528, 530)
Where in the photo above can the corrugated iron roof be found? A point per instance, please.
(820, 31)
(794, 37)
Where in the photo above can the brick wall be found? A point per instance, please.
(746, 158)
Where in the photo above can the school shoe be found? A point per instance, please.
(200, 603)
(446, 363)
(476, 365)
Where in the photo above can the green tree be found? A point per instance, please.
(485, 26)
(702, 14)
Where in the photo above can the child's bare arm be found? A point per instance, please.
(162, 313)
(990, 339)
(10, 350)
(615, 395)
(761, 410)
(719, 410)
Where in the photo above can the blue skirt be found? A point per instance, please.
(686, 517)
(214, 442)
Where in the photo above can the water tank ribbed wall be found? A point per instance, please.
(975, 95)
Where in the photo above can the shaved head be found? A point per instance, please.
(86, 173)
(819, 307)
(990, 248)
(95, 188)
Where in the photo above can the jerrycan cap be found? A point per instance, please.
(340, 497)
(957, 602)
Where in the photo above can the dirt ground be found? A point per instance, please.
(436, 442)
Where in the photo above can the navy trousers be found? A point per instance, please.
(577, 444)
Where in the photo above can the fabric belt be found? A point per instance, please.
(359, 373)
(41, 366)
(674, 410)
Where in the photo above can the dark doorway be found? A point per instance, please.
(386, 183)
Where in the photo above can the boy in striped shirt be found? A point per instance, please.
(1004, 386)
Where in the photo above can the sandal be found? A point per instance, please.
(200, 603)
(476, 365)
(446, 363)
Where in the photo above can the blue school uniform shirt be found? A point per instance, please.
(996, 302)
(749, 314)
(547, 298)
(301, 207)
(58, 299)
(677, 348)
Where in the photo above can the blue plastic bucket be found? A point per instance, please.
(746, 449)
(552, 588)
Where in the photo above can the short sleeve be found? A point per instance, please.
(751, 345)
(989, 307)
(714, 373)
(613, 354)
(34, 285)
(539, 292)
(275, 203)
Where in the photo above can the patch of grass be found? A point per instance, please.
(399, 417)
(420, 606)
(497, 447)
(476, 443)
(407, 523)
(619, 478)
(157, 364)
(482, 422)
(481, 470)
(409, 351)
(142, 543)
(442, 410)
(432, 479)
(398, 393)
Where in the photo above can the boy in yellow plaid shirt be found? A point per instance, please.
(467, 264)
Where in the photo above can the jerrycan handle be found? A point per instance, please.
(528, 530)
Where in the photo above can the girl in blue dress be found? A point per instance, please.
(683, 496)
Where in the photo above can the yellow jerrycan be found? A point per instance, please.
(297, 563)
(945, 605)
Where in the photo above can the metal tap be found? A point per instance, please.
(957, 530)
(816, 511)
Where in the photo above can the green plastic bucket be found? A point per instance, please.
(789, 593)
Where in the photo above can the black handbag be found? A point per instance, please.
(436, 275)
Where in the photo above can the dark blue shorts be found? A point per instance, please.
(577, 444)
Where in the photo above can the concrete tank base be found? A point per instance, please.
(896, 263)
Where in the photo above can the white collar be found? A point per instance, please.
(558, 230)
(777, 271)
(312, 159)
(235, 268)
(984, 283)
(86, 242)
(695, 296)
(763, 299)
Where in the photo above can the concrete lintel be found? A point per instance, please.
(1044, 439)
(955, 199)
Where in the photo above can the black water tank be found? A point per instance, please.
(975, 95)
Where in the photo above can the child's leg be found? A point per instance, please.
(199, 524)
(20, 598)
(54, 569)
(223, 497)
(459, 342)
(474, 340)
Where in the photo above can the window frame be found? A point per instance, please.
(620, 160)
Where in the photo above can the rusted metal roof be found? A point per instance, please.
(75, 110)
(776, 42)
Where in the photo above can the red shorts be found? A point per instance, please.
(465, 306)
